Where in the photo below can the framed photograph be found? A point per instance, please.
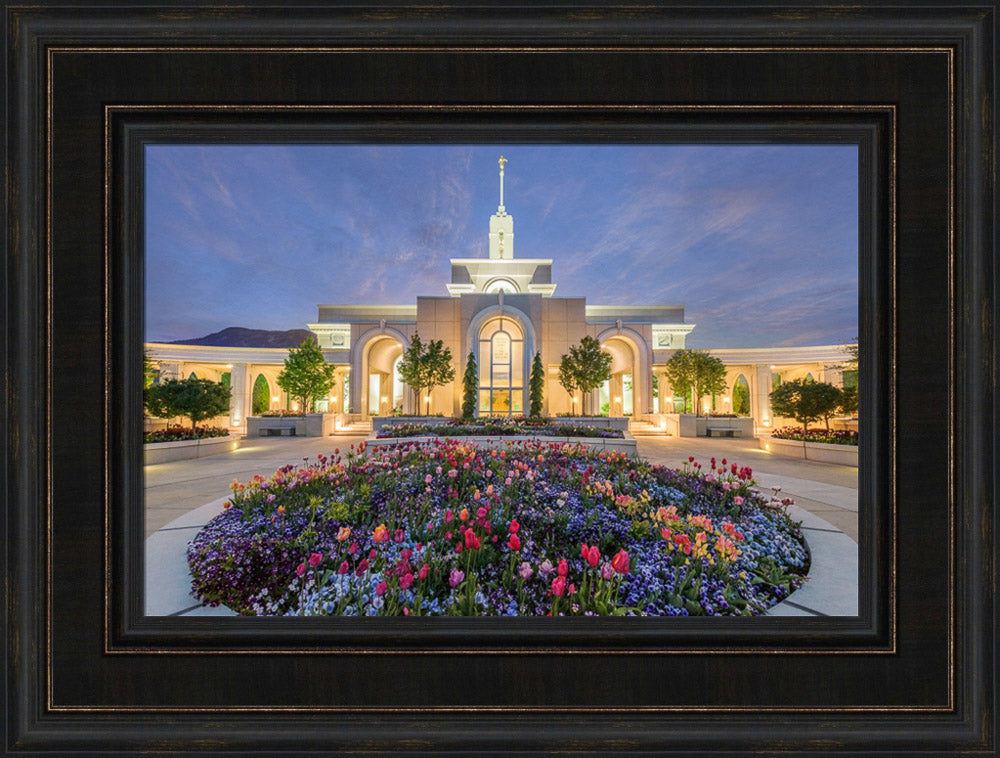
(98, 96)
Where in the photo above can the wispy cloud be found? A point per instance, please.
(758, 242)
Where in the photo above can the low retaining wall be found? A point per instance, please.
(626, 445)
(379, 421)
(166, 452)
(310, 425)
(690, 425)
(601, 422)
(824, 452)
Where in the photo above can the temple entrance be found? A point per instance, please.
(501, 368)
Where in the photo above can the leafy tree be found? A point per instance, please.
(698, 372)
(567, 375)
(852, 350)
(197, 399)
(536, 386)
(806, 401)
(426, 367)
(470, 387)
(306, 375)
(149, 370)
(848, 401)
(680, 372)
(585, 368)
(710, 377)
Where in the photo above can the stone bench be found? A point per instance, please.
(276, 431)
(722, 431)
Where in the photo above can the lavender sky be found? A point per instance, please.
(758, 242)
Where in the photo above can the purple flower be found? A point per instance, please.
(455, 577)
(525, 571)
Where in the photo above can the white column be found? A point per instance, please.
(760, 396)
(239, 402)
(170, 371)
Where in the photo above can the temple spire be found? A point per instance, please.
(501, 226)
(500, 209)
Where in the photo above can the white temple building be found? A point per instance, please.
(502, 309)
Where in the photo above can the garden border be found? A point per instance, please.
(820, 452)
(183, 450)
(626, 444)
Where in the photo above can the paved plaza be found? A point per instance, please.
(181, 497)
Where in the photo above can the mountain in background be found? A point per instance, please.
(237, 336)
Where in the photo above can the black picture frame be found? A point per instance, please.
(915, 673)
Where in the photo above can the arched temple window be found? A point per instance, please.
(501, 368)
(261, 397)
(741, 396)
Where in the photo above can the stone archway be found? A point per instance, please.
(376, 393)
(631, 359)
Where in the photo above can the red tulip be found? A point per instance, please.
(620, 562)
(515, 542)
(559, 586)
(563, 568)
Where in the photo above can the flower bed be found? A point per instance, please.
(832, 437)
(181, 433)
(446, 529)
(281, 413)
(498, 428)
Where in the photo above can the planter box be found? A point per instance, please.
(310, 425)
(166, 452)
(824, 452)
(626, 445)
(379, 421)
(601, 422)
(690, 425)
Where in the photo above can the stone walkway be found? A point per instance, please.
(182, 496)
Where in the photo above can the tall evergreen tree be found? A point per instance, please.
(537, 386)
(470, 387)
